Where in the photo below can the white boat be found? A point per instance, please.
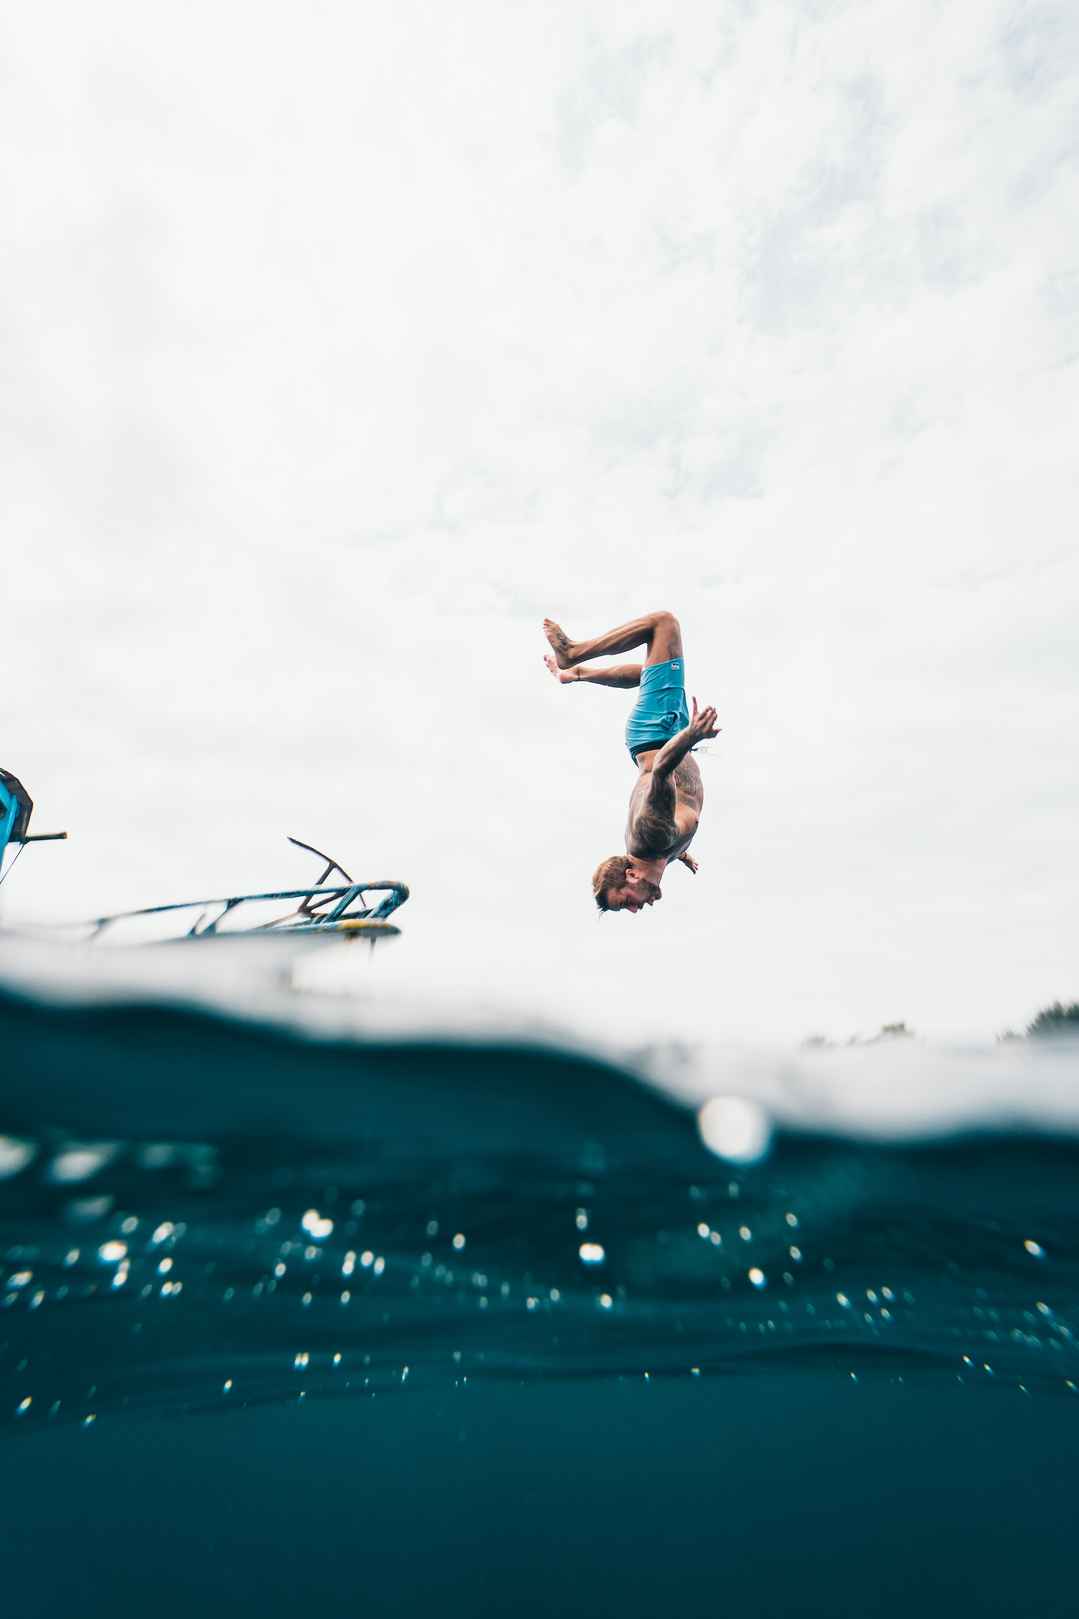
(343, 910)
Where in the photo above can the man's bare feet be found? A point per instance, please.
(561, 645)
(563, 676)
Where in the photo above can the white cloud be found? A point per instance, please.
(340, 352)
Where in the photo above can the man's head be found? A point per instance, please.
(619, 886)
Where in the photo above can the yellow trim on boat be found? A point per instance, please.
(365, 927)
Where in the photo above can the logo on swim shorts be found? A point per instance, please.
(676, 666)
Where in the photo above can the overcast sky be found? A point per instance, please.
(342, 343)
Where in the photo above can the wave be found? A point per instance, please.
(203, 1211)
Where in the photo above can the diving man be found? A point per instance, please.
(665, 805)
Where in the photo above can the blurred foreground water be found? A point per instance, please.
(380, 1321)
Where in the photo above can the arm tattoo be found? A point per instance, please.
(661, 798)
(654, 826)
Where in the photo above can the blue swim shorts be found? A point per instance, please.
(661, 709)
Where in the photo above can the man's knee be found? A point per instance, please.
(665, 640)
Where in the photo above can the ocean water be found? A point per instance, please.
(392, 1323)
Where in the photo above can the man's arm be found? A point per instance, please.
(701, 726)
(655, 826)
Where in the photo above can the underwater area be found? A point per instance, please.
(381, 1324)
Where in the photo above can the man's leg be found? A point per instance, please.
(618, 674)
(660, 632)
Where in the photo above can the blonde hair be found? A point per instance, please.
(610, 873)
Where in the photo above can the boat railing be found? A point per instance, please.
(331, 907)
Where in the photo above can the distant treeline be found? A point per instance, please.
(887, 1031)
(1055, 1019)
(1050, 1022)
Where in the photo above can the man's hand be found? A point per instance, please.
(703, 723)
(688, 860)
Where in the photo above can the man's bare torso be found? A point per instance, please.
(663, 832)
